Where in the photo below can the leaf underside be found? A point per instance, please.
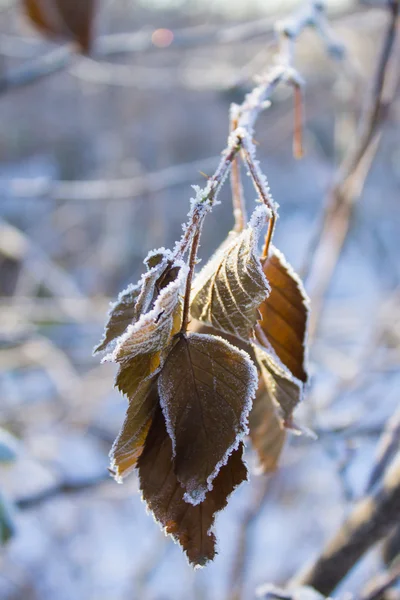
(67, 19)
(206, 387)
(230, 288)
(189, 525)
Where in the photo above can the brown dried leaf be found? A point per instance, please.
(138, 299)
(284, 314)
(266, 431)
(66, 19)
(189, 525)
(130, 441)
(206, 387)
(232, 285)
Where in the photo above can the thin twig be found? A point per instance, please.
(388, 446)
(371, 519)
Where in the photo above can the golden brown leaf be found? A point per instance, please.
(189, 525)
(130, 441)
(232, 285)
(206, 387)
(66, 19)
(284, 314)
(266, 431)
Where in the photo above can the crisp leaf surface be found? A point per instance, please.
(206, 388)
(189, 525)
(266, 431)
(230, 288)
(66, 19)
(130, 442)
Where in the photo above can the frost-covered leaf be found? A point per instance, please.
(206, 387)
(153, 331)
(138, 299)
(130, 442)
(266, 431)
(232, 285)
(284, 314)
(65, 19)
(7, 527)
(285, 390)
(190, 526)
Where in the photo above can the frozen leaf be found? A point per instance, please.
(130, 442)
(190, 526)
(138, 299)
(153, 331)
(206, 387)
(65, 19)
(230, 288)
(266, 431)
(284, 314)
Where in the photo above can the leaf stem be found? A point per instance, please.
(192, 264)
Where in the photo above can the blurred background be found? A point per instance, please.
(97, 159)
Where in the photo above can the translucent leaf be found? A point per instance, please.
(232, 285)
(190, 526)
(66, 19)
(138, 299)
(284, 315)
(281, 335)
(130, 442)
(206, 387)
(266, 431)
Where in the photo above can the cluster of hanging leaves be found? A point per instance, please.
(193, 396)
(63, 20)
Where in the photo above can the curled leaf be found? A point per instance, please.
(137, 299)
(230, 288)
(206, 387)
(66, 19)
(266, 431)
(190, 526)
(130, 441)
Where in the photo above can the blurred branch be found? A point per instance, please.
(371, 519)
(388, 447)
(375, 589)
(64, 487)
(327, 245)
(119, 189)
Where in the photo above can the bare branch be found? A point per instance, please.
(371, 519)
(388, 446)
(375, 589)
